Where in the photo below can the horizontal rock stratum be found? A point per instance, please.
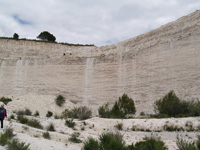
(145, 67)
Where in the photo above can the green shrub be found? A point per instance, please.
(51, 127)
(184, 145)
(104, 111)
(198, 143)
(34, 123)
(110, 141)
(171, 105)
(5, 100)
(16, 145)
(9, 133)
(60, 100)
(142, 113)
(46, 135)
(119, 126)
(150, 143)
(74, 138)
(90, 144)
(49, 114)
(22, 119)
(172, 128)
(81, 113)
(36, 113)
(24, 112)
(124, 106)
(12, 117)
(194, 108)
(70, 123)
(15, 36)
(3, 139)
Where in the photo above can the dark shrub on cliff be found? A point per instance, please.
(60, 100)
(45, 35)
(124, 106)
(172, 106)
(5, 100)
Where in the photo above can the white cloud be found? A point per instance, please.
(98, 22)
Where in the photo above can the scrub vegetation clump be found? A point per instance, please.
(121, 108)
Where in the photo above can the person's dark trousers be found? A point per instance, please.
(1, 123)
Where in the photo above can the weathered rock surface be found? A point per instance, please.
(145, 67)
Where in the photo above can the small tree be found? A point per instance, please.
(123, 106)
(45, 35)
(104, 111)
(171, 105)
(60, 100)
(15, 36)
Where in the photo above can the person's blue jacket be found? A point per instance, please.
(3, 113)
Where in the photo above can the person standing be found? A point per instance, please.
(3, 114)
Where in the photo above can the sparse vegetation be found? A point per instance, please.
(5, 100)
(104, 111)
(7, 135)
(90, 144)
(70, 123)
(185, 145)
(60, 100)
(124, 106)
(36, 113)
(24, 112)
(57, 116)
(142, 113)
(74, 138)
(22, 119)
(27, 112)
(49, 114)
(107, 141)
(110, 141)
(34, 123)
(119, 126)
(51, 127)
(16, 145)
(149, 143)
(173, 128)
(46, 135)
(80, 113)
(12, 116)
(3, 139)
(42, 41)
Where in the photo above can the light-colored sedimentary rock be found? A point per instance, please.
(145, 67)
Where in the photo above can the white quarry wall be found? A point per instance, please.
(145, 67)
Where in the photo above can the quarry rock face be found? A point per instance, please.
(145, 67)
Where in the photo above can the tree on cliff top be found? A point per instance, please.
(45, 35)
(15, 36)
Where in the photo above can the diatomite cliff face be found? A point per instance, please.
(145, 67)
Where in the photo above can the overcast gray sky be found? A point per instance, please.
(99, 22)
